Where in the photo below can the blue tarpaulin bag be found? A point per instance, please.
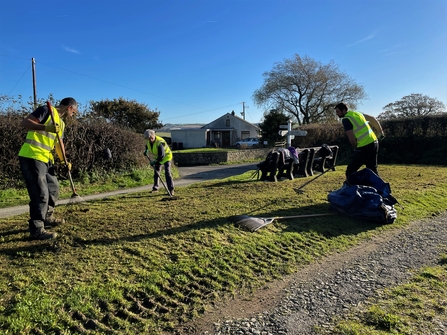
(365, 196)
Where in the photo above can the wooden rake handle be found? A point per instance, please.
(330, 168)
(50, 110)
(304, 216)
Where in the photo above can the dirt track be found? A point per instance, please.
(332, 286)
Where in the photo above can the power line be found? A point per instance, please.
(12, 89)
(132, 89)
(128, 88)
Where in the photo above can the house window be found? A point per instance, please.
(217, 135)
(245, 134)
(227, 122)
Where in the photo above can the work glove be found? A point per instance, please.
(67, 164)
(153, 163)
(145, 152)
(52, 128)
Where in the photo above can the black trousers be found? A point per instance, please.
(366, 155)
(43, 190)
(168, 175)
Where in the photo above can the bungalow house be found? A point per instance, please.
(222, 132)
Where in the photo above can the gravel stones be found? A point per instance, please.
(342, 281)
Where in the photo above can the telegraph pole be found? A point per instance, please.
(243, 109)
(34, 81)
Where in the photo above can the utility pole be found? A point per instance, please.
(243, 109)
(34, 82)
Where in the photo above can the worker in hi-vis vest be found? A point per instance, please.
(36, 163)
(162, 154)
(362, 138)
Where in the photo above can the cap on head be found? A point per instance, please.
(148, 133)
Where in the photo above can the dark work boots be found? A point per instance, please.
(43, 235)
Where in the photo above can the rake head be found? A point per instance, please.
(76, 204)
(254, 223)
(251, 223)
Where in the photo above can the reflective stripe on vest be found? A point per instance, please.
(154, 149)
(362, 131)
(39, 143)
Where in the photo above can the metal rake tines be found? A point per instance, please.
(252, 223)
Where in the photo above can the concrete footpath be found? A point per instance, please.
(188, 175)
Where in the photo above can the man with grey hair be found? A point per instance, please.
(163, 156)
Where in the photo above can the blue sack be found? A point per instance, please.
(365, 196)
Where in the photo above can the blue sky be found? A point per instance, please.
(195, 60)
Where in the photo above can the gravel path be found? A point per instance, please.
(331, 287)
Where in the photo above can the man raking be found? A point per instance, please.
(37, 164)
(163, 156)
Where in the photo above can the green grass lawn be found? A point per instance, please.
(134, 264)
(87, 185)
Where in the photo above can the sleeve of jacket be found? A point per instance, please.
(161, 152)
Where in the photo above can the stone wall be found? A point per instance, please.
(207, 158)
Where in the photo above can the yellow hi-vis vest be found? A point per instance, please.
(362, 131)
(154, 149)
(39, 143)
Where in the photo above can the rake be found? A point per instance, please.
(75, 198)
(299, 189)
(171, 197)
(254, 223)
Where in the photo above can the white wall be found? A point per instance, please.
(237, 125)
(191, 138)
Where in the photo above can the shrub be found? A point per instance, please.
(85, 142)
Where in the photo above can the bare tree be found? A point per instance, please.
(308, 90)
(412, 105)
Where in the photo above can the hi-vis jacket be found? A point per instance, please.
(39, 143)
(153, 148)
(362, 131)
